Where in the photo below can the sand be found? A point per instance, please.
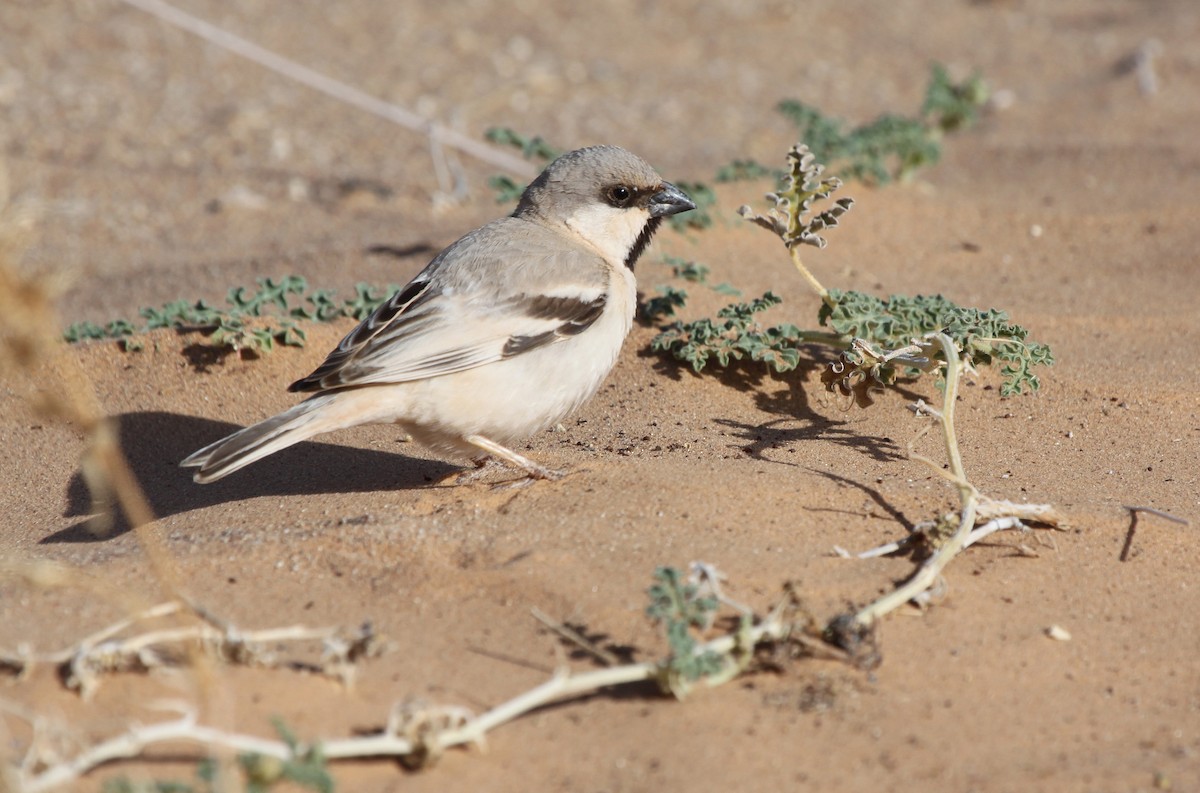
(161, 167)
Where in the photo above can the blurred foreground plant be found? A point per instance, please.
(417, 733)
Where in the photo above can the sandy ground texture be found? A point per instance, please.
(161, 167)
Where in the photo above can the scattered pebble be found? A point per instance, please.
(297, 189)
(242, 197)
(1058, 633)
(1143, 66)
(1001, 100)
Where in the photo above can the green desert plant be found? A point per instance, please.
(254, 321)
(670, 298)
(874, 334)
(736, 333)
(305, 768)
(891, 146)
(681, 609)
(416, 733)
(535, 149)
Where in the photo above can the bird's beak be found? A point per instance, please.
(670, 200)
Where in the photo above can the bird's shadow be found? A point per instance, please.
(154, 442)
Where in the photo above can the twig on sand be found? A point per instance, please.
(104, 651)
(416, 733)
(1127, 548)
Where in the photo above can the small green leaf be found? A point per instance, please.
(532, 148)
(83, 330)
(688, 270)
(677, 606)
(666, 303)
(508, 191)
(699, 218)
(740, 170)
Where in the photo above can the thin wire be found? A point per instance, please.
(334, 88)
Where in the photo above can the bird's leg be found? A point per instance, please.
(532, 470)
(484, 465)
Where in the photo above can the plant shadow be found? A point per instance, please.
(154, 442)
(872, 493)
(782, 395)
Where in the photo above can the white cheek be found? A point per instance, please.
(610, 230)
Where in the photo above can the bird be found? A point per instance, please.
(504, 333)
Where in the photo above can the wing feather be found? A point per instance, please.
(501, 291)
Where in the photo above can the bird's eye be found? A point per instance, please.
(619, 196)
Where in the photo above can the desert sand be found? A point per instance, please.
(156, 166)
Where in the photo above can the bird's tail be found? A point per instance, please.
(313, 416)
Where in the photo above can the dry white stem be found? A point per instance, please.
(925, 577)
(1161, 514)
(1143, 66)
(928, 573)
(910, 354)
(438, 134)
(934, 594)
(922, 408)
(708, 580)
(105, 633)
(993, 526)
(340, 653)
(999, 515)
(561, 685)
(105, 652)
(137, 739)
(1041, 513)
(881, 550)
(41, 741)
(414, 731)
(1035, 513)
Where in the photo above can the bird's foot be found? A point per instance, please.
(483, 467)
(537, 472)
(496, 452)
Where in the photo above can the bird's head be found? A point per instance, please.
(608, 197)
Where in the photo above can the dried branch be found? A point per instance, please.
(45, 773)
(415, 732)
(1161, 514)
(955, 531)
(103, 652)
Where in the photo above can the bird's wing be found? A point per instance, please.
(507, 288)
